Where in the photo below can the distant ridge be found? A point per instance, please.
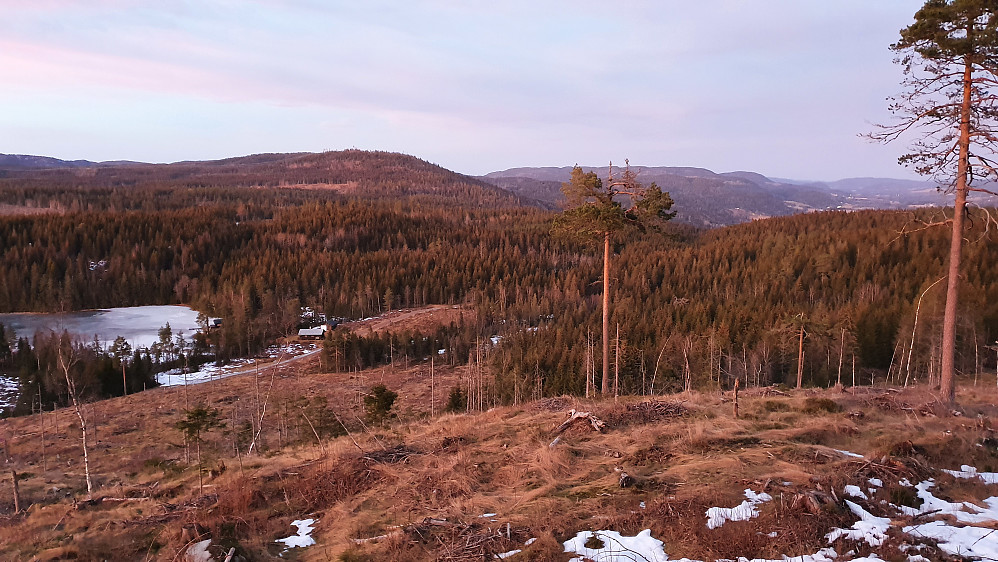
(703, 197)
(350, 172)
(709, 199)
(29, 162)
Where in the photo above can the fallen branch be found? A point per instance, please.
(394, 533)
(596, 423)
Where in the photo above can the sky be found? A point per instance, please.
(780, 87)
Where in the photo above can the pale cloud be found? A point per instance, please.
(781, 86)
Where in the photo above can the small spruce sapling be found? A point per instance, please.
(457, 401)
(378, 404)
(198, 420)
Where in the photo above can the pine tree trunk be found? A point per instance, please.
(605, 387)
(947, 387)
(800, 359)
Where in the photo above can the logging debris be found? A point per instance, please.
(574, 416)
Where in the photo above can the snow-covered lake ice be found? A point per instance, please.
(138, 324)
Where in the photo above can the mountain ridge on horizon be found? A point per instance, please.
(703, 197)
(33, 161)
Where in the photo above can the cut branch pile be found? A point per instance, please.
(889, 403)
(648, 411)
(460, 542)
(555, 404)
(890, 469)
(392, 455)
(654, 410)
(765, 391)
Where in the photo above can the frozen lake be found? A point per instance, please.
(138, 324)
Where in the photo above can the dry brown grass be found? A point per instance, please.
(455, 468)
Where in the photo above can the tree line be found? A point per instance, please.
(692, 308)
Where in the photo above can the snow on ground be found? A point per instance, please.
(823, 555)
(974, 537)
(969, 542)
(963, 512)
(854, 491)
(209, 371)
(10, 389)
(505, 555)
(616, 547)
(869, 528)
(848, 453)
(967, 539)
(717, 516)
(969, 472)
(303, 537)
(198, 552)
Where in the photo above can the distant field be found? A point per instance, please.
(16, 210)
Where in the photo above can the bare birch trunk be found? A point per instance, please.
(914, 327)
(71, 387)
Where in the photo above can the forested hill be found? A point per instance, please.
(731, 303)
(50, 183)
(355, 234)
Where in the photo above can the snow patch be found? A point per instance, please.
(869, 528)
(823, 555)
(968, 542)
(198, 552)
(848, 453)
(210, 371)
(854, 491)
(616, 547)
(717, 516)
(969, 472)
(303, 537)
(964, 512)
